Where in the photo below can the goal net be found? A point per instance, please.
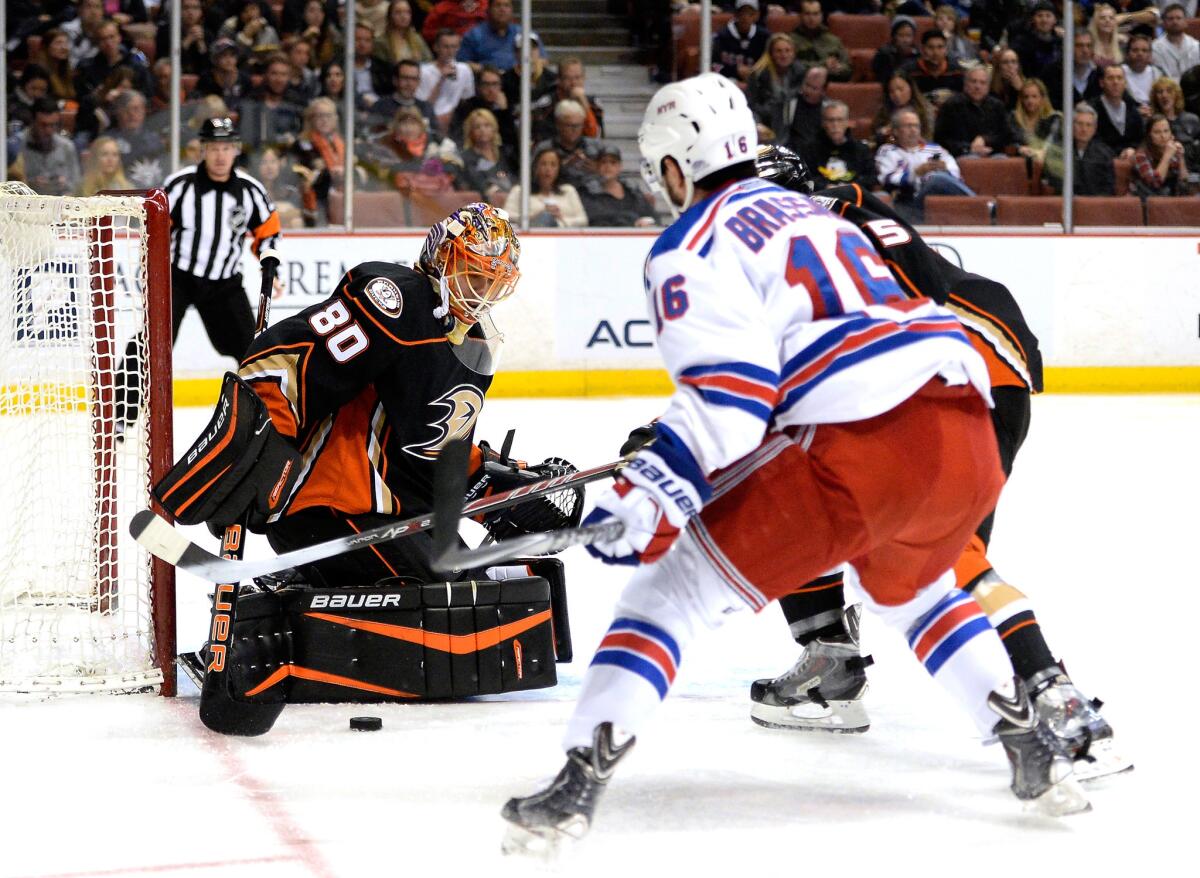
(85, 426)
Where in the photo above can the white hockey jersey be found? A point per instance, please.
(771, 312)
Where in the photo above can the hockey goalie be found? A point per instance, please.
(332, 426)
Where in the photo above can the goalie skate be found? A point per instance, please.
(540, 824)
(1041, 766)
(823, 691)
(1077, 722)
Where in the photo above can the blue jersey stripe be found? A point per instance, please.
(948, 647)
(636, 665)
(624, 623)
(951, 600)
(746, 370)
(676, 455)
(723, 398)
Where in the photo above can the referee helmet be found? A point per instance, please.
(218, 129)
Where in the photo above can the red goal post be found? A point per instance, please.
(85, 428)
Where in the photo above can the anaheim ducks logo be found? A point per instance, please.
(463, 405)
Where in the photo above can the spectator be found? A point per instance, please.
(225, 78)
(45, 159)
(489, 96)
(454, 15)
(816, 44)
(273, 113)
(104, 169)
(1137, 17)
(304, 80)
(974, 124)
(407, 78)
(445, 81)
(835, 157)
(111, 54)
(912, 169)
(320, 154)
(55, 57)
(542, 79)
(1007, 77)
(806, 118)
(934, 75)
(400, 40)
(1166, 99)
(160, 99)
(553, 202)
(1035, 122)
(142, 151)
(1140, 74)
(1120, 127)
(902, 48)
(1038, 46)
(411, 158)
(491, 41)
(774, 85)
(326, 39)
(81, 31)
(372, 13)
(612, 200)
(1159, 167)
(576, 152)
(1093, 161)
(333, 82)
(194, 38)
(1085, 73)
(740, 43)
(900, 93)
(1175, 51)
(372, 78)
(34, 87)
(1106, 42)
(959, 46)
(250, 30)
(278, 179)
(570, 86)
(125, 12)
(486, 165)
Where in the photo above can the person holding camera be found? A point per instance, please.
(445, 81)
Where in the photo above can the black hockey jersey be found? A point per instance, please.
(370, 389)
(985, 307)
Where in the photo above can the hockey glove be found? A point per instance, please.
(639, 438)
(655, 497)
(498, 474)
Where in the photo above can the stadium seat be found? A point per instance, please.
(779, 21)
(686, 28)
(863, 98)
(1006, 176)
(1028, 210)
(1162, 211)
(861, 127)
(957, 210)
(860, 31)
(885, 197)
(1101, 210)
(372, 209)
(429, 209)
(860, 63)
(1122, 172)
(1193, 27)
(187, 81)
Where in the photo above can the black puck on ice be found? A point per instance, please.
(366, 723)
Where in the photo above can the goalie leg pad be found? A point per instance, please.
(397, 641)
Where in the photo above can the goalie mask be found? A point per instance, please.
(473, 255)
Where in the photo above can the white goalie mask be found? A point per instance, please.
(703, 123)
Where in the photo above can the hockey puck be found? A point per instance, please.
(366, 723)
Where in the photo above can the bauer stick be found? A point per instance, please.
(163, 541)
(449, 487)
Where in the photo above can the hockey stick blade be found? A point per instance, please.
(164, 541)
(529, 544)
(449, 488)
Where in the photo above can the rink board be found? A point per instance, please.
(1113, 313)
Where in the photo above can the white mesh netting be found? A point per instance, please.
(75, 590)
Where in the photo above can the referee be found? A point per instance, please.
(214, 206)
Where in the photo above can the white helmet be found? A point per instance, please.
(704, 123)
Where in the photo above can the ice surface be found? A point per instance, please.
(1098, 525)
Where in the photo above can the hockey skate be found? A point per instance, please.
(539, 824)
(1041, 765)
(823, 690)
(1077, 722)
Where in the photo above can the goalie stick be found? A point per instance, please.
(449, 486)
(164, 541)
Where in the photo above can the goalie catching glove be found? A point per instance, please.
(239, 466)
(655, 497)
(498, 473)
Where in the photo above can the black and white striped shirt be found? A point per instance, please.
(209, 220)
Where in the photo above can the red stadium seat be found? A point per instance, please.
(391, 210)
(686, 27)
(861, 127)
(1193, 27)
(860, 31)
(1006, 176)
(863, 98)
(187, 81)
(779, 21)
(1102, 210)
(860, 63)
(957, 210)
(1161, 211)
(1122, 172)
(1028, 210)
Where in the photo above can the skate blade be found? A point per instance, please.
(1102, 760)
(1062, 800)
(841, 717)
(543, 843)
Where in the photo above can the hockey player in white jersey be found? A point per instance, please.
(803, 378)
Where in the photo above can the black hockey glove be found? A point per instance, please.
(639, 438)
(239, 465)
(498, 474)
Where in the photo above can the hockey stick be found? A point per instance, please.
(164, 541)
(449, 486)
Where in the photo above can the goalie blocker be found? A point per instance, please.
(393, 641)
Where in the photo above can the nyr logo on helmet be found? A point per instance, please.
(666, 108)
(462, 405)
(385, 295)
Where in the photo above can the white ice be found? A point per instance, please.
(1097, 526)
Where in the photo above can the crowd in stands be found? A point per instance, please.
(436, 85)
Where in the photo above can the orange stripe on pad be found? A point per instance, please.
(456, 644)
(322, 677)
